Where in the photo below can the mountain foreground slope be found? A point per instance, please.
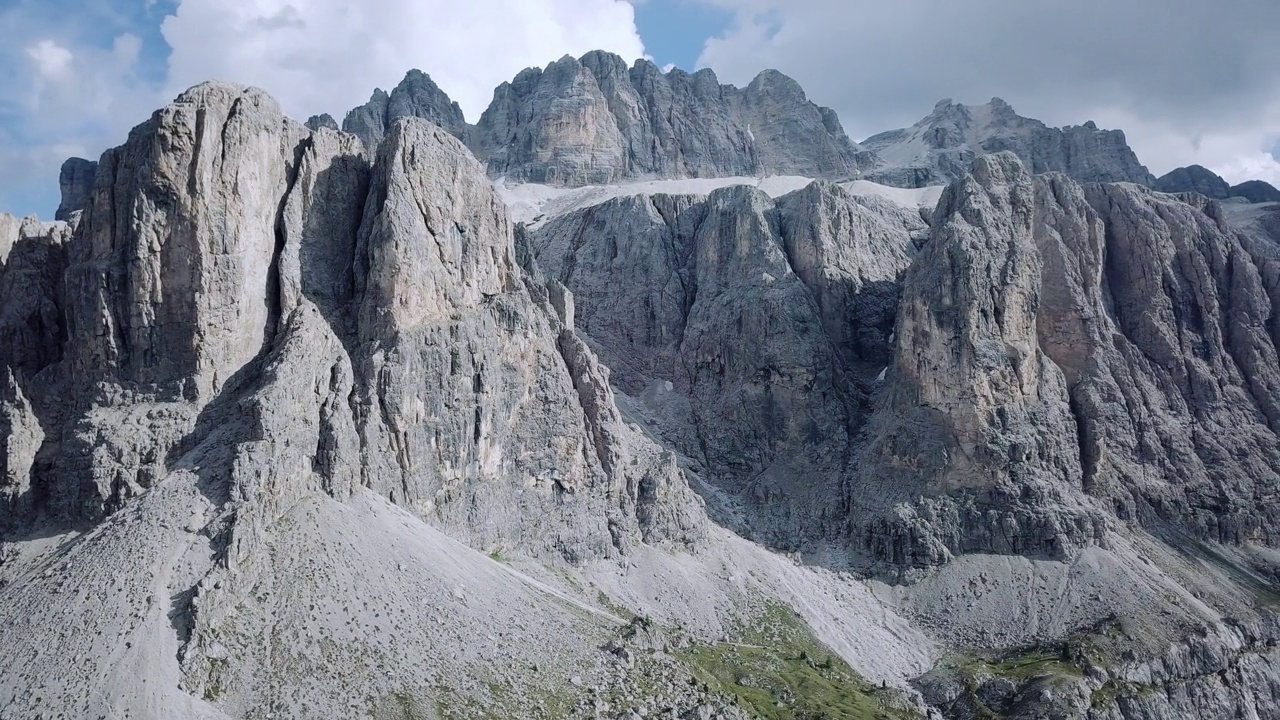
(298, 423)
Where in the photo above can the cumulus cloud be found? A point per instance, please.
(82, 72)
(73, 87)
(328, 55)
(1190, 82)
(52, 61)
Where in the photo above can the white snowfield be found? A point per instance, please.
(533, 204)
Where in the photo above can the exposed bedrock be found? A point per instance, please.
(272, 306)
(1068, 356)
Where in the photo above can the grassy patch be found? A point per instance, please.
(402, 706)
(778, 670)
(606, 603)
(499, 701)
(1033, 664)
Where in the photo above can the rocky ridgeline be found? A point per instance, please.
(939, 148)
(234, 274)
(416, 96)
(593, 120)
(256, 354)
(1199, 179)
(1061, 358)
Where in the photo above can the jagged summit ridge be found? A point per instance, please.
(939, 148)
(418, 96)
(593, 120)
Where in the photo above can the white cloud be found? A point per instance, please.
(65, 96)
(1189, 82)
(52, 61)
(328, 55)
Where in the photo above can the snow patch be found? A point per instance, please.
(534, 204)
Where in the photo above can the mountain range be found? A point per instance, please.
(642, 396)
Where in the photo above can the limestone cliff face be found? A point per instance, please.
(1069, 353)
(169, 278)
(975, 419)
(33, 257)
(749, 329)
(273, 306)
(939, 148)
(593, 120)
(1063, 359)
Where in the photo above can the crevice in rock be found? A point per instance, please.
(1086, 443)
(274, 295)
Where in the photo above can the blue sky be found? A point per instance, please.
(675, 31)
(1194, 86)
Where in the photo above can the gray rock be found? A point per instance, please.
(416, 96)
(750, 329)
(281, 312)
(323, 120)
(1041, 390)
(593, 120)
(33, 257)
(9, 228)
(32, 328)
(169, 276)
(21, 437)
(1122, 365)
(1256, 191)
(1196, 179)
(975, 419)
(75, 181)
(369, 121)
(456, 307)
(257, 334)
(939, 148)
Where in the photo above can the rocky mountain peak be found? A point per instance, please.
(1195, 178)
(940, 147)
(775, 83)
(75, 181)
(1203, 181)
(1256, 191)
(593, 120)
(418, 96)
(323, 120)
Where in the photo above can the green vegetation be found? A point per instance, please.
(401, 706)
(1038, 662)
(780, 671)
(499, 701)
(607, 603)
